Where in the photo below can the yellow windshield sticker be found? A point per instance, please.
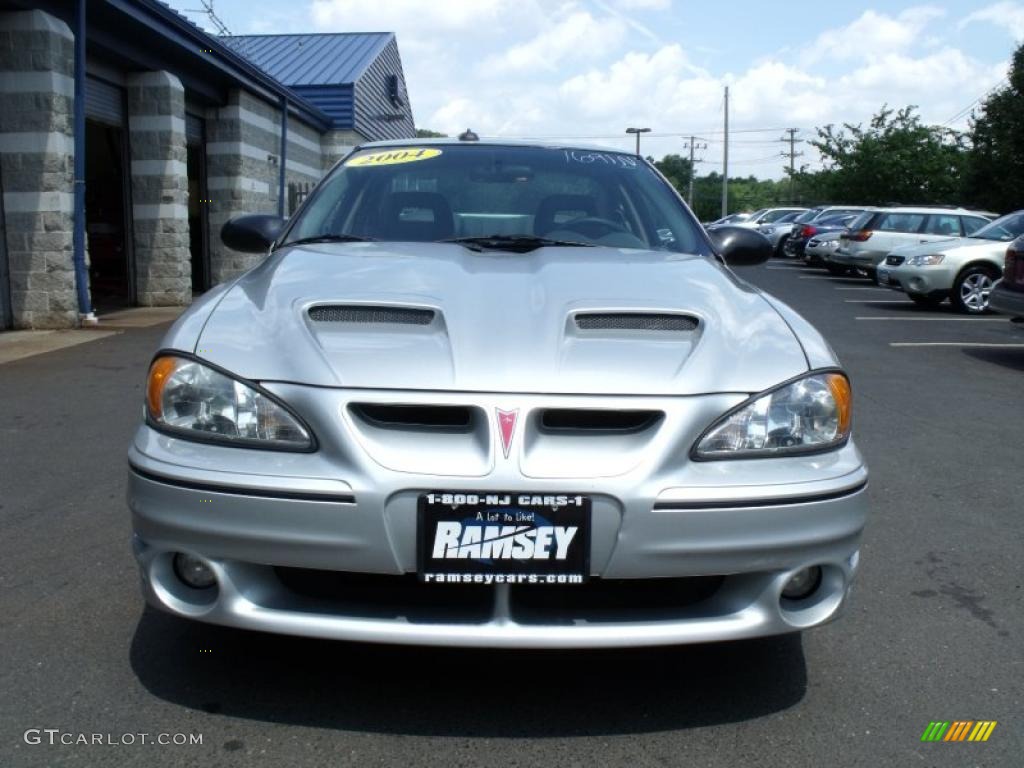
(394, 156)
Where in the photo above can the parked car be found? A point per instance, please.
(731, 219)
(1008, 294)
(780, 229)
(767, 216)
(961, 269)
(825, 217)
(825, 242)
(876, 233)
(584, 431)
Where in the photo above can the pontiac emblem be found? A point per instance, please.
(507, 428)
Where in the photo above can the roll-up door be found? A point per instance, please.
(193, 129)
(104, 102)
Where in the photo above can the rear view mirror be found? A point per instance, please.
(739, 246)
(254, 233)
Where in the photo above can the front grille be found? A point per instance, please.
(341, 313)
(449, 417)
(367, 595)
(635, 321)
(596, 420)
(610, 599)
(386, 596)
(894, 261)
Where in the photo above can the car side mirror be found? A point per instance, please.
(739, 246)
(253, 233)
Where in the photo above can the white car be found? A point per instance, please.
(876, 233)
(963, 270)
(767, 216)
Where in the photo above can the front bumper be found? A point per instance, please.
(747, 526)
(1006, 301)
(934, 280)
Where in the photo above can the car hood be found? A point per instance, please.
(502, 322)
(951, 245)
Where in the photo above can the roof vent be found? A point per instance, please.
(468, 135)
(342, 313)
(636, 321)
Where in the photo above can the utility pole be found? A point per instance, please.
(725, 159)
(693, 145)
(793, 155)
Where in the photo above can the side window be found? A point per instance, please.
(944, 224)
(901, 222)
(972, 224)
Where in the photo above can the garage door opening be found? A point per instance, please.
(106, 228)
(198, 222)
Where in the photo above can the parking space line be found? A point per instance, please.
(955, 344)
(876, 301)
(938, 319)
(862, 288)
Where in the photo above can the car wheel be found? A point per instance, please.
(837, 269)
(780, 249)
(923, 300)
(971, 289)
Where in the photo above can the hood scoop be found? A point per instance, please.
(636, 321)
(364, 314)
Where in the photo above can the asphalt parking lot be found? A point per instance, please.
(934, 631)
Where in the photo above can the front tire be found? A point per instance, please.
(972, 288)
(780, 249)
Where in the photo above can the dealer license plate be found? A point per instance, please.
(503, 538)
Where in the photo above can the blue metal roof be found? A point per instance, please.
(314, 59)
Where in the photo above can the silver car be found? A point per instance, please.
(964, 270)
(578, 428)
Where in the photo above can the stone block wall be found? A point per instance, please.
(243, 154)
(156, 121)
(37, 167)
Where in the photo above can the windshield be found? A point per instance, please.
(807, 216)
(515, 194)
(1008, 227)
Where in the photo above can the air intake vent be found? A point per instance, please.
(341, 313)
(446, 417)
(635, 321)
(596, 420)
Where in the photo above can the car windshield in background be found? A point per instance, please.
(807, 216)
(1007, 228)
(507, 197)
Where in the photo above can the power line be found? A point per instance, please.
(963, 112)
(212, 17)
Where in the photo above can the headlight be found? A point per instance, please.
(200, 403)
(807, 415)
(928, 260)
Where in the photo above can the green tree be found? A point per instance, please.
(677, 169)
(996, 159)
(426, 133)
(895, 159)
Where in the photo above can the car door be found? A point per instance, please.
(898, 228)
(940, 226)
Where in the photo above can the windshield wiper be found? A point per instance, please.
(329, 238)
(515, 243)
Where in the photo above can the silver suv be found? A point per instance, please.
(875, 233)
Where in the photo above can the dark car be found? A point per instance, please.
(825, 222)
(1008, 294)
(806, 227)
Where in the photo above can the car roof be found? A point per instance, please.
(494, 141)
(929, 209)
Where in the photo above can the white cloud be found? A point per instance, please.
(873, 34)
(644, 5)
(578, 35)
(1009, 16)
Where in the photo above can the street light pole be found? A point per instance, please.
(638, 131)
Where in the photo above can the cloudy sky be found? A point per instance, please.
(589, 68)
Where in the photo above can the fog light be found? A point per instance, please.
(802, 584)
(193, 571)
